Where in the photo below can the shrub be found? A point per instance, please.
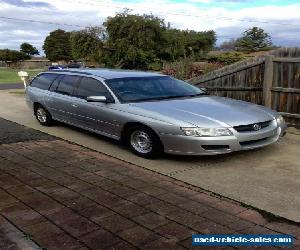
(180, 69)
(186, 68)
(227, 58)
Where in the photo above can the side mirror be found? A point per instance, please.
(97, 99)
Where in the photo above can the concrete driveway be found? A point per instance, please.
(268, 178)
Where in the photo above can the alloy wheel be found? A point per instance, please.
(141, 142)
(41, 115)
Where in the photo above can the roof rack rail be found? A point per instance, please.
(71, 71)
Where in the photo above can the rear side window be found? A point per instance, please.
(55, 83)
(43, 81)
(91, 87)
(67, 84)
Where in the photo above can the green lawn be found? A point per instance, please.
(11, 75)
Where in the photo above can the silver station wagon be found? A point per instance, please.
(151, 113)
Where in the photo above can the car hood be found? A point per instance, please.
(209, 111)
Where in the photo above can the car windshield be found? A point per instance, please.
(138, 89)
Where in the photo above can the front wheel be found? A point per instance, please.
(144, 142)
(43, 116)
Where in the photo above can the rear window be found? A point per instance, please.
(43, 81)
(67, 84)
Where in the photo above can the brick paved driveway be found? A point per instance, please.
(64, 196)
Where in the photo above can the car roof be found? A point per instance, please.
(108, 73)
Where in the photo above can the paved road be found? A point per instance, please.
(64, 196)
(6, 86)
(267, 179)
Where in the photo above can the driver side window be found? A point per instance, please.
(91, 87)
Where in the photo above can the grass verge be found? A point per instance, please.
(8, 75)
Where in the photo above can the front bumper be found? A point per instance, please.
(188, 145)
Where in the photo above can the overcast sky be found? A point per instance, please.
(229, 18)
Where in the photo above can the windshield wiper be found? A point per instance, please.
(155, 98)
(199, 94)
(180, 96)
(166, 97)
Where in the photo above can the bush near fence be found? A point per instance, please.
(187, 69)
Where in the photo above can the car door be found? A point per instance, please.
(94, 115)
(60, 98)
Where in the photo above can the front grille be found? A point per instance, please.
(247, 143)
(215, 147)
(250, 127)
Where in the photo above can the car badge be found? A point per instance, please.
(256, 127)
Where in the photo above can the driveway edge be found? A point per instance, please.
(16, 236)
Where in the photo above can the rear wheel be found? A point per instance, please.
(43, 116)
(144, 142)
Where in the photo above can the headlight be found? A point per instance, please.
(280, 119)
(206, 131)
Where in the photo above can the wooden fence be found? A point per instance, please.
(272, 80)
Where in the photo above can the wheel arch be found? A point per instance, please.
(35, 106)
(129, 125)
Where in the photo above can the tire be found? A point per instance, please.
(43, 116)
(143, 142)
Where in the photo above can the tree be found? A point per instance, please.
(198, 43)
(87, 44)
(136, 40)
(129, 41)
(229, 45)
(13, 56)
(254, 39)
(28, 49)
(187, 43)
(57, 46)
(175, 45)
(140, 41)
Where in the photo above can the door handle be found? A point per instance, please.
(74, 105)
